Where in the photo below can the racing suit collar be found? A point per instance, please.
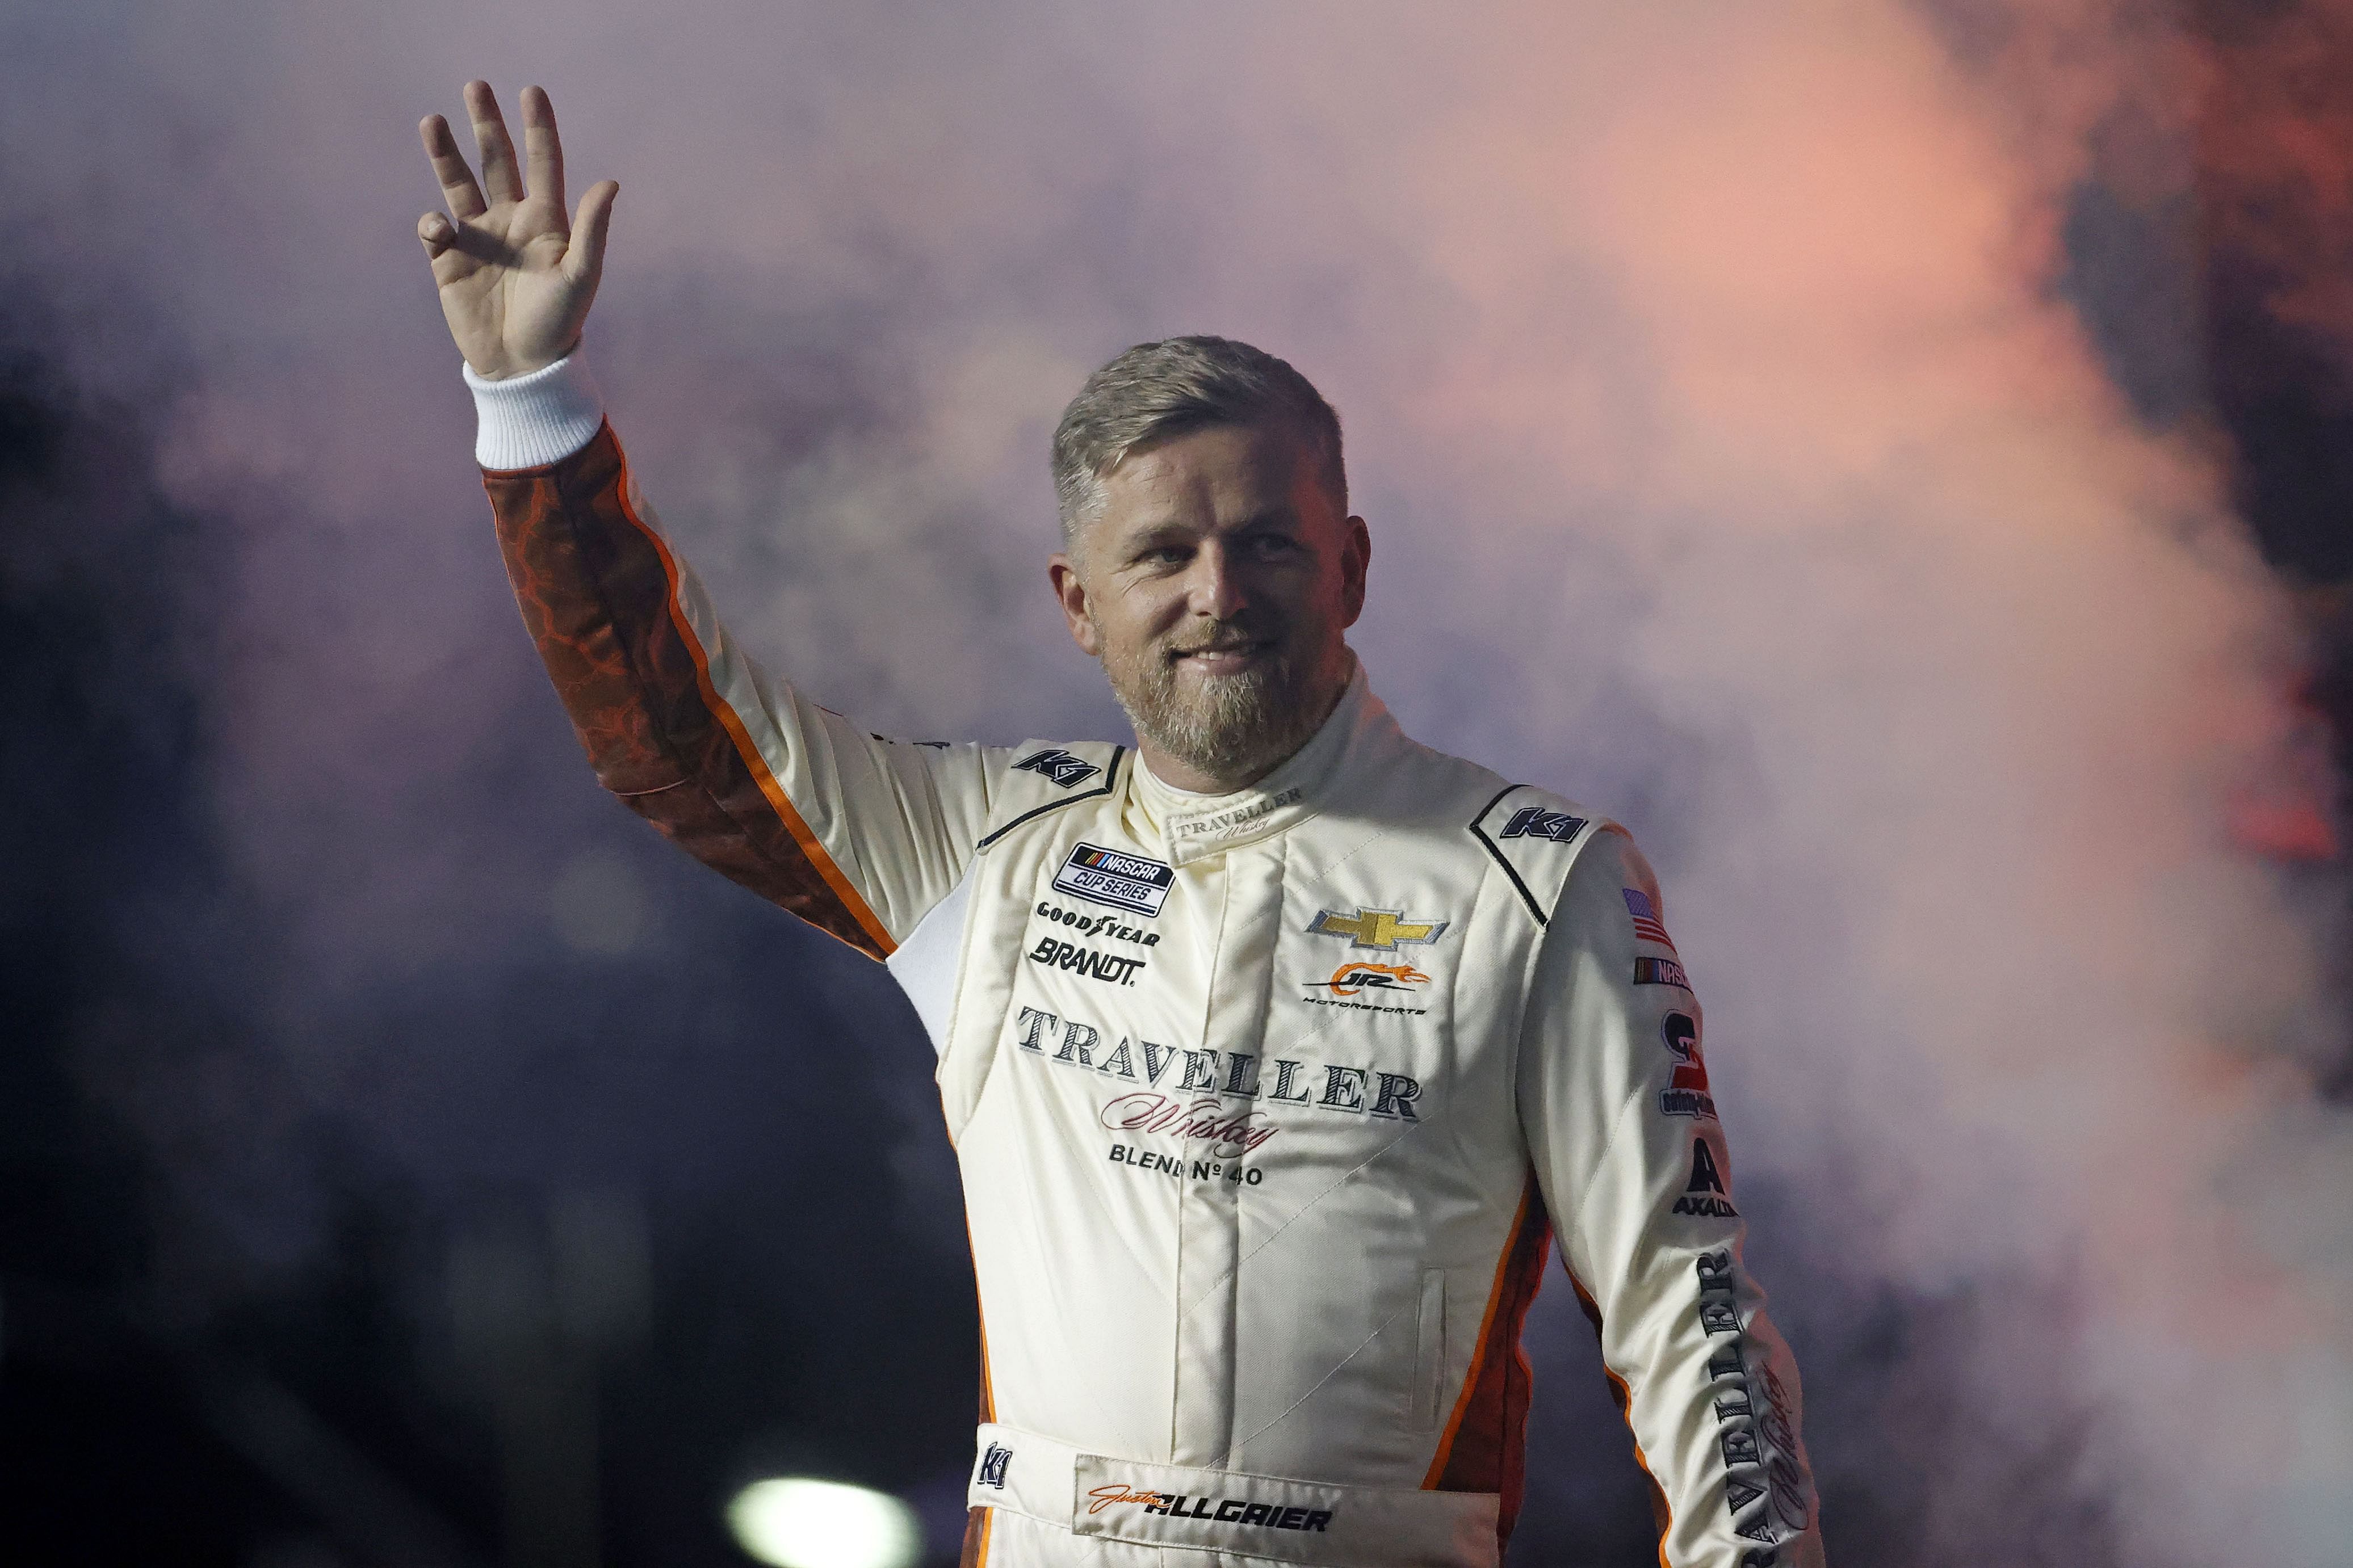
(1191, 826)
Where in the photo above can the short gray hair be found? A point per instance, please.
(1155, 391)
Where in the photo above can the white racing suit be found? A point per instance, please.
(1268, 1105)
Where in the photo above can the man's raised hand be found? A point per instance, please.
(515, 278)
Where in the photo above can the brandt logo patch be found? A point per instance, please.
(1130, 882)
(1117, 968)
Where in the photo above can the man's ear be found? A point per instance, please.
(1070, 592)
(1356, 560)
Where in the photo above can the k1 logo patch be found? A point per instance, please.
(1058, 765)
(994, 1462)
(1130, 882)
(1533, 822)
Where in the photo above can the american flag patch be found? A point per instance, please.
(1646, 918)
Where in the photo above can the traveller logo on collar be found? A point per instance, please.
(1125, 881)
(1238, 816)
(1059, 765)
(1380, 929)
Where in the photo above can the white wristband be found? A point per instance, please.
(531, 420)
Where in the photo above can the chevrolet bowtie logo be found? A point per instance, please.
(1382, 929)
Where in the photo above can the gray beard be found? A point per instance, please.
(1239, 728)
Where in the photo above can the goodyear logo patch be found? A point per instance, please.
(1130, 882)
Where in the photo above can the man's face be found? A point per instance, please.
(1215, 585)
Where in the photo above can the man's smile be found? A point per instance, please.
(1224, 658)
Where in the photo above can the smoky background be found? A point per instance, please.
(1894, 457)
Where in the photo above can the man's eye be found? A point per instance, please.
(1270, 545)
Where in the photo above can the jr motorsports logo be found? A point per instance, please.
(1372, 987)
(1130, 882)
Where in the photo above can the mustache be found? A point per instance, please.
(1229, 637)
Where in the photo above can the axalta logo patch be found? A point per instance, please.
(1703, 1195)
(1220, 1510)
(1130, 882)
(1059, 766)
(1381, 929)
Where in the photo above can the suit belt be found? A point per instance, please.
(1272, 1517)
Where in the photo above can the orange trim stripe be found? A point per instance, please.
(987, 1383)
(1479, 1351)
(744, 745)
(1621, 1394)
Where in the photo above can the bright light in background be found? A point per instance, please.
(799, 1523)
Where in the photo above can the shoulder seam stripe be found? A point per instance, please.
(1110, 777)
(745, 747)
(1509, 869)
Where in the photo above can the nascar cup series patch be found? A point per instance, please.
(1128, 882)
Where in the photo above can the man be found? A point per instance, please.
(1275, 1052)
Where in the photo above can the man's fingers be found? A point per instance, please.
(542, 146)
(438, 233)
(450, 169)
(584, 261)
(501, 179)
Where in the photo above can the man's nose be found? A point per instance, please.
(1215, 589)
